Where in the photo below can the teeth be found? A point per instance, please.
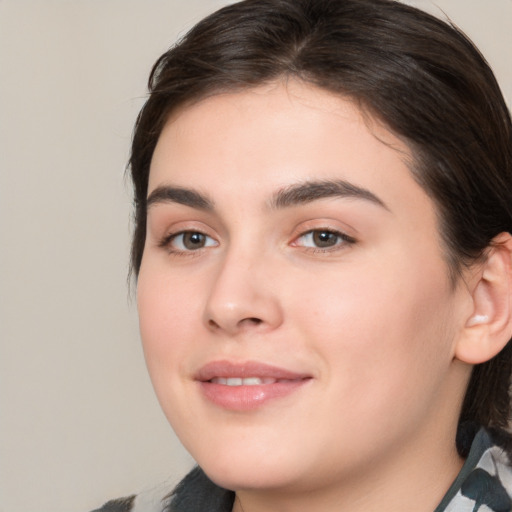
(248, 381)
(252, 381)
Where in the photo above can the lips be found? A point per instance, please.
(248, 385)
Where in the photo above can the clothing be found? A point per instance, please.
(484, 484)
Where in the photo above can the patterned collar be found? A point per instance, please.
(484, 483)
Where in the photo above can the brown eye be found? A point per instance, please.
(190, 241)
(193, 240)
(325, 238)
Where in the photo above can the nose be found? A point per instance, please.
(243, 297)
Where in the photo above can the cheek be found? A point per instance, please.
(380, 328)
(167, 311)
(164, 310)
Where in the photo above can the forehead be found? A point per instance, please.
(271, 136)
(282, 120)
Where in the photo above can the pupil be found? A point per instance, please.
(324, 239)
(193, 240)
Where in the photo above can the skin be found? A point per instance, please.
(373, 319)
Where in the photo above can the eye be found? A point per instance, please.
(187, 241)
(323, 239)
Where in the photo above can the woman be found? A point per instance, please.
(323, 209)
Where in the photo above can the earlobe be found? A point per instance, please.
(489, 327)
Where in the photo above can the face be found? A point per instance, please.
(296, 309)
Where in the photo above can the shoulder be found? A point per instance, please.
(195, 493)
(119, 505)
(155, 499)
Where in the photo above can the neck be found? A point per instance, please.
(413, 481)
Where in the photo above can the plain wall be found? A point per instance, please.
(78, 420)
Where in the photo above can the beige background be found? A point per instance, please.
(79, 423)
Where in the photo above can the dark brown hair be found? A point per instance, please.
(420, 76)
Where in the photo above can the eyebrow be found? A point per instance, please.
(293, 195)
(180, 195)
(302, 193)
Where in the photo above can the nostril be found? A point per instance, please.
(252, 320)
(213, 324)
(233, 325)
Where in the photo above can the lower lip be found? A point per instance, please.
(246, 398)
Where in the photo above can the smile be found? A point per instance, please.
(247, 386)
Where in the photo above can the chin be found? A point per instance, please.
(242, 469)
(252, 476)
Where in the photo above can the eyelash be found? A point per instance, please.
(342, 239)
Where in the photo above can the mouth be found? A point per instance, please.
(247, 386)
(247, 381)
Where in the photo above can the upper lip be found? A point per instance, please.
(227, 369)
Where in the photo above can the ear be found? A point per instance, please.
(489, 328)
